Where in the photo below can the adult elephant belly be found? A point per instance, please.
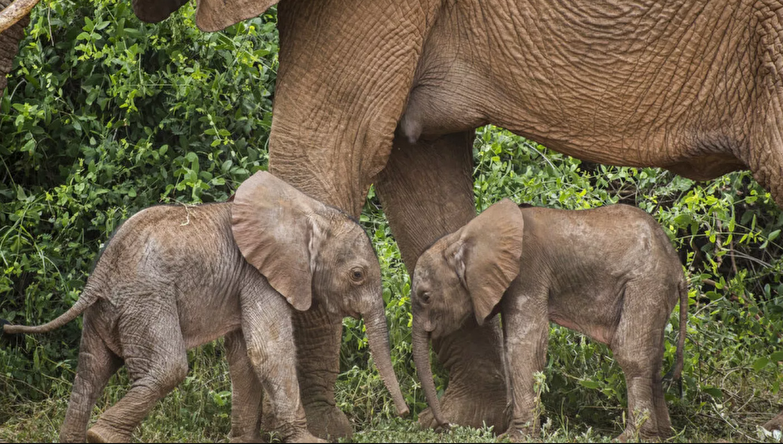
(603, 83)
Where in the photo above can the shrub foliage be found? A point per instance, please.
(105, 115)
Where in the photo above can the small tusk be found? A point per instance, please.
(15, 12)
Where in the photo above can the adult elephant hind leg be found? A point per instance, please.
(157, 361)
(96, 365)
(767, 168)
(246, 392)
(427, 191)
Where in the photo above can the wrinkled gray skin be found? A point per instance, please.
(390, 91)
(609, 273)
(174, 277)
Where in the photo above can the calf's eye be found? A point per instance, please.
(425, 297)
(357, 275)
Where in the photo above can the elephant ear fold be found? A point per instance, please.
(214, 15)
(278, 231)
(486, 255)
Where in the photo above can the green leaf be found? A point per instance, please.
(589, 384)
(760, 363)
(29, 147)
(713, 391)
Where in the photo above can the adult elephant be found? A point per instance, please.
(390, 92)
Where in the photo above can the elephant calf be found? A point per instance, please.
(610, 273)
(175, 277)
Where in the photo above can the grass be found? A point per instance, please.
(199, 409)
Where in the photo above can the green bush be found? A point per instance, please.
(105, 115)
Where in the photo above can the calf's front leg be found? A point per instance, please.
(268, 331)
(246, 392)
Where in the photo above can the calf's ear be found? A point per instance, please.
(278, 231)
(485, 254)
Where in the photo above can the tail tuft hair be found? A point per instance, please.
(3, 323)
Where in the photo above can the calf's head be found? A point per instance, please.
(310, 252)
(463, 274)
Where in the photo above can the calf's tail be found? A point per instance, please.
(78, 308)
(683, 330)
(675, 373)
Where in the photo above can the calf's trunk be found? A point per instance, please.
(421, 356)
(378, 337)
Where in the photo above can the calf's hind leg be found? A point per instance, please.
(157, 362)
(661, 410)
(638, 345)
(96, 365)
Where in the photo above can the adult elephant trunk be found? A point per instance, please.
(378, 337)
(421, 356)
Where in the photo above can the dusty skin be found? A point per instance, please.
(389, 92)
(609, 273)
(175, 277)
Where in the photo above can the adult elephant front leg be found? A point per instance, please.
(317, 339)
(332, 132)
(427, 191)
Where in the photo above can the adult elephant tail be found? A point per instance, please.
(78, 308)
(15, 12)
